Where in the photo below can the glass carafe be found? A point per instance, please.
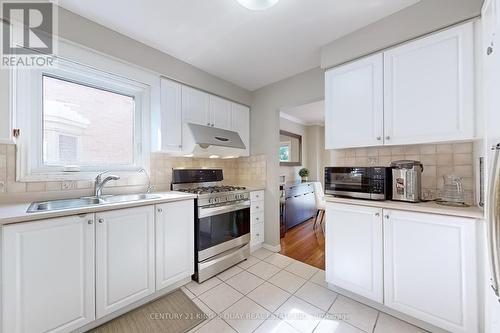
(452, 191)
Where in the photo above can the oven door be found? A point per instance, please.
(351, 182)
(222, 228)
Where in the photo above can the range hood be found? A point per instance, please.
(207, 141)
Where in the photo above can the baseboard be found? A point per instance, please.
(130, 307)
(273, 248)
(422, 324)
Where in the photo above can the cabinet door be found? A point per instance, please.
(429, 85)
(354, 257)
(48, 275)
(220, 112)
(171, 116)
(174, 242)
(430, 268)
(195, 106)
(354, 104)
(241, 124)
(124, 257)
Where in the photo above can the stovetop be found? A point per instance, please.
(200, 190)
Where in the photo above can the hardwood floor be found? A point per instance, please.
(305, 244)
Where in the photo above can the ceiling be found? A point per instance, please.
(248, 48)
(307, 114)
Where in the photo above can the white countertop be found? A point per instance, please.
(16, 212)
(421, 207)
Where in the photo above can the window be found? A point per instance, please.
(86, 126)
(90, 112)
(285, 151)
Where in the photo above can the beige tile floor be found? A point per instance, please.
(271, 293)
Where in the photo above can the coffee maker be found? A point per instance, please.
(406, 180)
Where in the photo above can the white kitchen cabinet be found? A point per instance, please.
(195, 106)
(241, 124)
(354, 256)
(174, 242)
(170, 116)
(257, 219)
(220, 113)
(419, 92)
(354, 104)
(125, 257)
(429, 88)
(430, 268)
(48, 275)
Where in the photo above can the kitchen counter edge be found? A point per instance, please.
(16, 212)
(420, 207)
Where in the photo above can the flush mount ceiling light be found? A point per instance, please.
(258, 4)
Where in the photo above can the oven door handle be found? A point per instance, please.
(211, 211)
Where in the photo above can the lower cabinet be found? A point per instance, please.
(430, 268)
(427, 268)
(48, 275)
(125, 257)
(256, 219)
(354, 249)
(174, 242)
(63, 273)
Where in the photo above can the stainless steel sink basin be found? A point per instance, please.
(130, 197)
(64, 204)
(87, 202)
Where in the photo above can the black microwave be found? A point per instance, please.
(372, 183)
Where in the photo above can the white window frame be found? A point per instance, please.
(80, 65)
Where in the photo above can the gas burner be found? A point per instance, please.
(213, 189)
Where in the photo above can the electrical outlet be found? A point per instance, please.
(69, 185)
(2, 187)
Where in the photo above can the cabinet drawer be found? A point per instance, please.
(257, 217)
(257, 233)
(257, 206)
(257, 195)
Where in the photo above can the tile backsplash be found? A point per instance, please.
(438, 160)
(246, 171)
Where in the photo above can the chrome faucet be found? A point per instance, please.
(99, 182)
(150, 187)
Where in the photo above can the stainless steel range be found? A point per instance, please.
(222, 220)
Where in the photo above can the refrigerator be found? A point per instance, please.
(490, 104)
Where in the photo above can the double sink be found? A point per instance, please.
(87, 202)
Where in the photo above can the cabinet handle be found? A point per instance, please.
(489, 50)
(257, 218)
(208, 124)
(387, 216)
(160, 210)
(377, 214)
(256, 207)
(379, 138)
(257, 235)
(213, 125)
(388, 137)
(90, 221)
(101, 220)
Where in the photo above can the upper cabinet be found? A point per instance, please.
(241, 124)
(181, 105)
(195, 106)
(428, 88)
(419, 92)
(171, 115)
(354, 104)
(220, 113)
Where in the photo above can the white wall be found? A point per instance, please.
(300, 89)
(417, 20)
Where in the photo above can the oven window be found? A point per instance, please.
(214, 230)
